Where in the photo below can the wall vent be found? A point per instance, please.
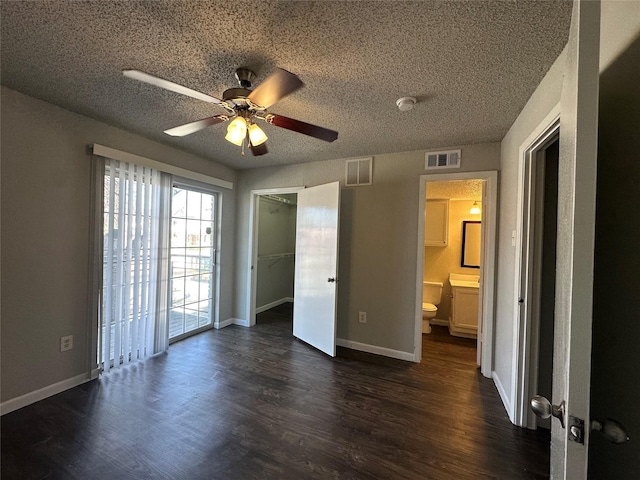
(359, 172)
(448, 159)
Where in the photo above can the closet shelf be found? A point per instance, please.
(275, 255)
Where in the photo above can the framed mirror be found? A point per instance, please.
(471, 241)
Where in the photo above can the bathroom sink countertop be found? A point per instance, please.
(463, 280)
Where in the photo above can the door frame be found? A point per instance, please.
(200, 187)
(251, 279)
(527, 324)
(488, 269)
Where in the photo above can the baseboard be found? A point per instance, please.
(222, 324)
(266, 307)
(231, 321)
(385, 352)
(45, 392)
(503, 394)
(241, 322)
(437, 321)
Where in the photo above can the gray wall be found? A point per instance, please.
(546, 96)
(45, 236)
(378, 239)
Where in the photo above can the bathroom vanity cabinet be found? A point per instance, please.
(463, 321)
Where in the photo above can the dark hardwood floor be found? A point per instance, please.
(256, 403)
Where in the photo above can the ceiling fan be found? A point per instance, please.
(243, 106)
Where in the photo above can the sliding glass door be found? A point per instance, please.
(192, 261)
(158, 261)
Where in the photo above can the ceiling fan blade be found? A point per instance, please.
(167, 85)
(276, 86)
(192, 127)
(302, 127)
(259, 149)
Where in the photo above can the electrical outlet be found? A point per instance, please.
(362, 317)
(66, 343)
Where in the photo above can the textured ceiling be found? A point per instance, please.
(471, 64)
(456, 189)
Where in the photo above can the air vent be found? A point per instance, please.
(449, 159)
(358, 172)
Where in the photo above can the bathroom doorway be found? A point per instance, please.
(457, 229)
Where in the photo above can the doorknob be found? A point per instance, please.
(612, 430)
(331, 279)
(543, 408)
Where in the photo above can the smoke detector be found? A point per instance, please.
(406, 103)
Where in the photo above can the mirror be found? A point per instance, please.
(471, 241)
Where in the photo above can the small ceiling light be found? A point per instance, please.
(406, 103)
(475, 209)
(256, 135)
(237, 131)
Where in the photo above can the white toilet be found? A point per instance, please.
(431, 296)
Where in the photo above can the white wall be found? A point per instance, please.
(45, 236)
(378, 239)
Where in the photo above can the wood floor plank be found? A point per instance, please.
(256, 403)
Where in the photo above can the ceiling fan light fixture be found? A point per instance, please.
(256, 135)
(236, 131)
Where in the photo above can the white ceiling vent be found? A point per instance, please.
(448, 159)
(358, 172)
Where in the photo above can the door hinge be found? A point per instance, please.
(576, 429)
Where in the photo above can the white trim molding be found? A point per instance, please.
(503, 394)
(385, 352)
(9, 406)
(521, 376)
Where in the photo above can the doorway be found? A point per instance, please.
(271, 209)
(535, 309)
(484, 273)
(316, 265)
(192, 261)
(276, 242)
(537, 297)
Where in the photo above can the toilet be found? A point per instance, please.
(431, 296)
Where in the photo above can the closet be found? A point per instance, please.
(276, 250)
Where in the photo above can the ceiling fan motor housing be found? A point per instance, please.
(236, 95)
(245, 77)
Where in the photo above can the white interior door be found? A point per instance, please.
(575, 239)
(316, 268)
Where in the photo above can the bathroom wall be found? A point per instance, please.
(439, 262)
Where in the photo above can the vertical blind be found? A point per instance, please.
(133, 316)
